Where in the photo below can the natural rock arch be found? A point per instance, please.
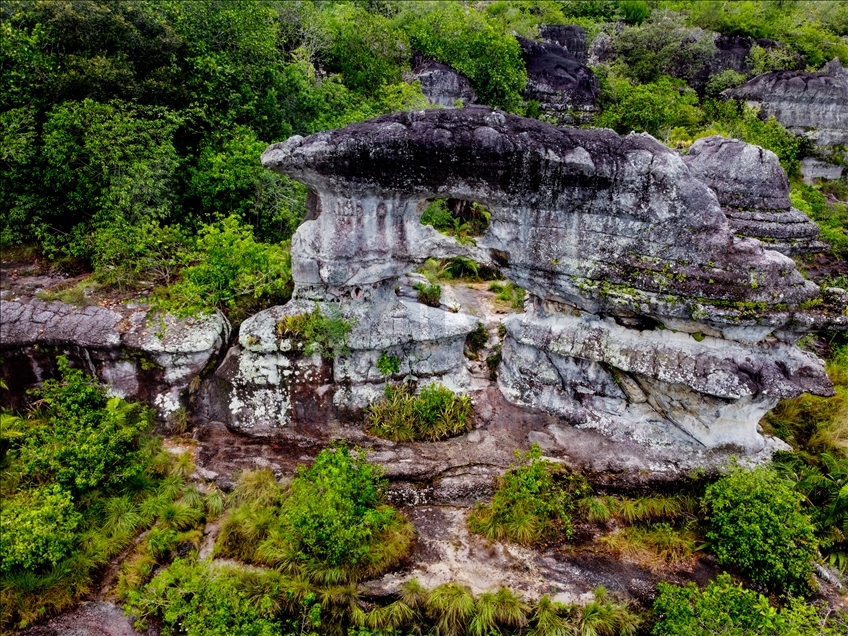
(648, 318)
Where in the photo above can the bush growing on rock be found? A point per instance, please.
(320, 333)
(434, 414)
(330, 524)
(756, 526)
(533, 502)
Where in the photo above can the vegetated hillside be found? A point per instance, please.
(131, 134)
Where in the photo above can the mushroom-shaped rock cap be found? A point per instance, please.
(574, 213)
(741, 175)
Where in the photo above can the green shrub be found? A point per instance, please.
(388, 364)
(464, 39)
(435, 413)
(365, 48)
(320, 333)
(193, 599)
(662, 45)
(37, 528)
(429, 294)
(532, 502)
(132, 256)
(757, 527)
(331, 524)
(655, 108)
(228, 268)
(79, 478)
(83, 439)
(726, 608)
(509, 293)
(832, 218)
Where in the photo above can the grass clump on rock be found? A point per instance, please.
(330, 524)
(436, 413)
(326, 334)
(533, 502)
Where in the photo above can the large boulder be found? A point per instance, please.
(442, 85)
(566, 89)
(141, 356)
(753, 190)
(812, 104)
(647, 316)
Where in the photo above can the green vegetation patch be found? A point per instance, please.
(757, 527)
(322, 333)
(330, 524)
(434, 414)
(81, 477)
(534, 501)
(724, 607)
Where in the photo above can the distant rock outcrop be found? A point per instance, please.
(812, 104)
(647, 318)
(442, 85)
(753, 190)
(149, 358)
(571, 37)
(566, 89)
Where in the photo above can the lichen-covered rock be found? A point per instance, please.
(566, 89)
(753, 190)
(140, 356)
(812, 104)
(442, 85)
(268, 382)
(571, 37)
(647, 317)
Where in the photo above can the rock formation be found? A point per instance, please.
(566, 89)
(753, 191)
(812, 104)
(647, 318)
(149, 358)
(442, 85)
(571, 37)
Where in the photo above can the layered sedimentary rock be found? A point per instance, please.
(753, 190)
(647, 317)
(812, 104)
(149, 358)
(566, 89)
(442, 85)
(571, 37)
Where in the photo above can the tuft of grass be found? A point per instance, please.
(430, 295)
(654, 546)
(319, 333)
(78, 294)
(477, 338)
(508, 293)
(436, 413)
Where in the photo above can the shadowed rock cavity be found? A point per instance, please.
(753, 191)
(647, 317)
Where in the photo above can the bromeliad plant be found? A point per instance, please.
(436, 413)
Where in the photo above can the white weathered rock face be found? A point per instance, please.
(647, 319)
(442, 85)
(149, 358)
(753, 190)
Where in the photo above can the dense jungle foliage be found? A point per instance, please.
(130, 136)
